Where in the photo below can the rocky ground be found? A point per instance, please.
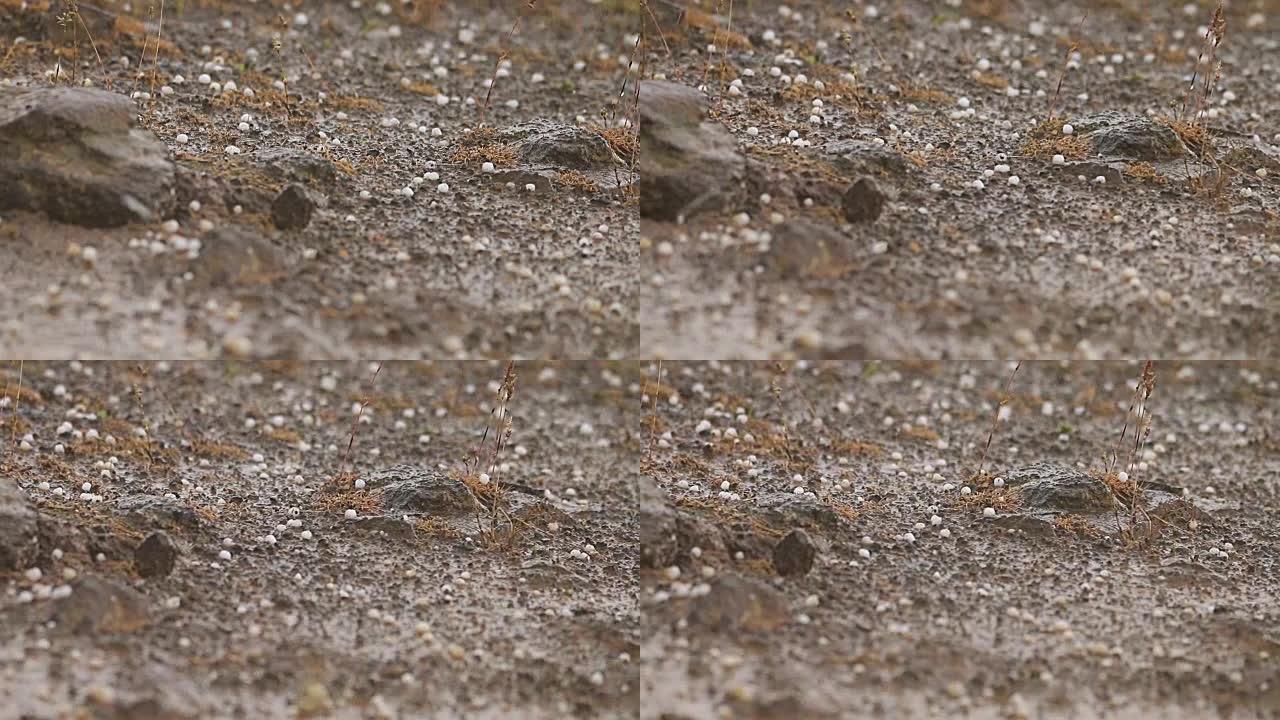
(896, 179)
(320, 180)
(814, 542)
(183, 541)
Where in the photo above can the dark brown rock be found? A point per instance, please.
(863, 201)
(156, 556)
(292, 208)
(794, 554)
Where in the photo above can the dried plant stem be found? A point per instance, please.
(503, 54)
(653, 423)
(995, 420)
(355, 422)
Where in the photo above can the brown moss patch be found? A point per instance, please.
(576, 180)
(1047, 140)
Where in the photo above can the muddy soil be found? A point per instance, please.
(331, 600)
(374, 98)
(926, 99)
(809, 548)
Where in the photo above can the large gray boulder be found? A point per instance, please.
(18, 527)
(1048, 486)
(1133, 137)
(687, 164)
(77, 155)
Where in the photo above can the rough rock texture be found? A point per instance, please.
(236, 256)
(794, 553)
(292, 165)
(293, 207)
(1047, 486)
(736, 602)
(18, 527)
(100, 605)
(803, 248)
(657, 521)
(427, 491)
(151, 512)
(863, 201)
(686, 163)
(77, 155)
(546, 143)
(1130, 136)
(863, 157)
(786, 508)
(156, 556)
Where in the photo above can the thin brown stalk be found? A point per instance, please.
(503, 54)
(355, 423)
(995, 420)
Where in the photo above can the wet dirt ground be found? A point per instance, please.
(312, 613)
(932, 97)
(920, 604)
(382, 95)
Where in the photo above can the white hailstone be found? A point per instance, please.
(909, 537)
(1101, 180)
(998, 482)
(269, 539)
(703, 427)
(811, 601)
(1002, 168)
(864, 553)
(672, 572)
(243, 127)
(944, 533)
(232, 150)
(963, 102)
(350, 514)
(34, 574)
(1059, 160)
(306, 535)
(597, 678)
(965, 490)
(442, 188)
(989, 512)
(204, 79)
(224, 555)
(978, 185)
(1068, 129)
(359, 483)
(530, 187)
(487, 167)
(935, 520)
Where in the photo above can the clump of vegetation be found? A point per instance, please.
(480, 473)
(1046, 140)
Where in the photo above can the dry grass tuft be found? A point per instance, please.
(1076, 525)
(576, 180)
(501, 155)
(1047, 140)
(1145, 172)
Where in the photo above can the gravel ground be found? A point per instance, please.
(311, 612)
(926, 99)
(809, 547)
(365, 100)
